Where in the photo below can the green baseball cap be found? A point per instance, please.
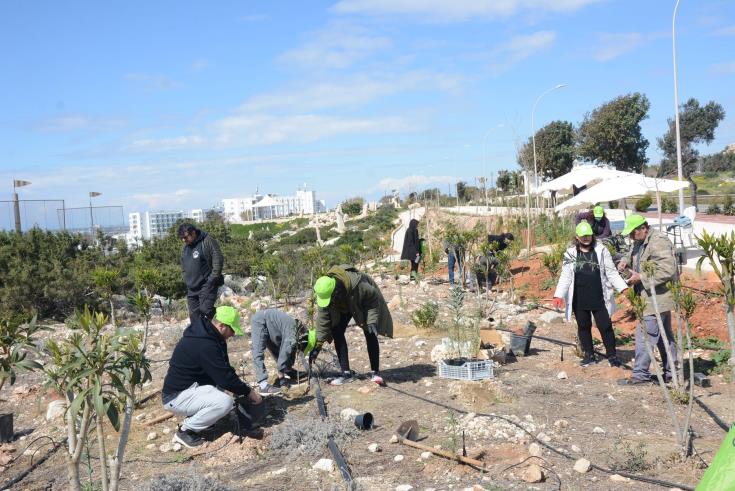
(229, 316)
(598, 211)
(323, 288)
(632, 222)
(583, 229)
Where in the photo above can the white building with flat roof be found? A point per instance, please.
(152, 224)
(270, 206)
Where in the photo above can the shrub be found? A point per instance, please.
(727, 206)
(353, 207)
(612, 204)
(553, 260)
(714, 209)
(643, 203)
(425, 316)
(669, 205)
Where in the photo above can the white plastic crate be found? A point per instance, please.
(469, 370)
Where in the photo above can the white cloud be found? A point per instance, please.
(354, 92)
(76, 122)
(165, 144)
(725, 68)
(617, 44)
(724, 31)
(521, 47)
(200, 64)
(151, 82)
(412, 181)
(244, 130)
(457, 10)
(338, 46)
(262, 129)
(254, 18)
(155, 200)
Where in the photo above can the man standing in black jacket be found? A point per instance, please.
(201, 262)
(199, 372)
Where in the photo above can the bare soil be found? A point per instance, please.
(633, 426)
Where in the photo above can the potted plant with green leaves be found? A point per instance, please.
(463, 344)
(17, 341)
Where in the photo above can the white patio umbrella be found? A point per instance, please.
(579, 176)
(622, 187)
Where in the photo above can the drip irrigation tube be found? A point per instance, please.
(645, 479)
(719, 421)
(339, 458)
(712, 415)
(22, 475)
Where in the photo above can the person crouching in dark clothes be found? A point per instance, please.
(201, 263)
(485, 264)
(199, 372)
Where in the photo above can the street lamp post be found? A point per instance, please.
(484, 156)
(17, 183)
(533, 133)
(92, 194)
(676, 109)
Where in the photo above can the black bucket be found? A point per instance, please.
(520, 344)
(6, 428)
(364, 421)
(250, 414)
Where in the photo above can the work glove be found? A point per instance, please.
(558, 303)
(418, 257)
(372, 329)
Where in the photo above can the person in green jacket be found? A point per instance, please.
(343, 294)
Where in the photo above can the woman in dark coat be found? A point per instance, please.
(412, 248)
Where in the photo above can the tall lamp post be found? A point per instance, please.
(92, 194)
(17, 183)
(484, 157)
(676, 109)
(533, 133)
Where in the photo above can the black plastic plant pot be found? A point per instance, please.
(6, 428)
(364, 421)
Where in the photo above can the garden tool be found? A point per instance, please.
(408, 433)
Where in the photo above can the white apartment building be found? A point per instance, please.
(260, 207)
(151, 224)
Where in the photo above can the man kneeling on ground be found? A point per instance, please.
(281, 335)
(199, 372)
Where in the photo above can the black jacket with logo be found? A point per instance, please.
(202, 262)
(201, 356)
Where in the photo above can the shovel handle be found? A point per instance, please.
(443, 453)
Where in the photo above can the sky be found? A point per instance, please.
(179, 104)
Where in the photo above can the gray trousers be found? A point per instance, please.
(203, 406)
(641, 368)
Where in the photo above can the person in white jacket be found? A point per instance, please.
(587, 283)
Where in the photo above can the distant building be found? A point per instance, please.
(270, 206)
(152, 224)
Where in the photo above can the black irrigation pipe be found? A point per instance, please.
(25, 473)
(712, 415)
(344, 468)
(648, 480)
(721, 423)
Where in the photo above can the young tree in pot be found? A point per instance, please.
(17, 340)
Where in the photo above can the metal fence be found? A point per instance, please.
(40, 213)
(53, 215)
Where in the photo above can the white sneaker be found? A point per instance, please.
(345, 378)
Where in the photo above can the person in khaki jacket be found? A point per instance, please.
(342, 294)
(650, 246)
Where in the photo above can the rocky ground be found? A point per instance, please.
(511, 422)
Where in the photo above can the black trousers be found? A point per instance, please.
(340, 345)
(414, 267)
(604, 325)
(202, 301)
